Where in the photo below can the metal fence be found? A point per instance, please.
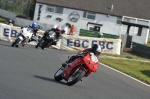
(20, 7)
(141, 50)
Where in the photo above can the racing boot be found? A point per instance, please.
(64, 64)
(68, 61)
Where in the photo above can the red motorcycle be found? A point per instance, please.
(79, 68)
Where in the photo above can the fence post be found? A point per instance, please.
(13, 5)
(28, 8)
(0, 3)
(6, 5)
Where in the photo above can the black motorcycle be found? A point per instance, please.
(46, 41)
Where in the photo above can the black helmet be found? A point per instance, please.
(96, 49)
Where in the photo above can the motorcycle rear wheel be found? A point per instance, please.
(74, 78)
(57, 75)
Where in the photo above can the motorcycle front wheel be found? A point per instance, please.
(16, 42)
(39, 43)
(57, 75)
(46, 45)
(75, 77)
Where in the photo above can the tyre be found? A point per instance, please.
(23, 43)
(57, 75)
(44, 45)
(75, 77)
(37, 45)
(16, 42)
(40, 43)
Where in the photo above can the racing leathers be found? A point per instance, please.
(80, 54)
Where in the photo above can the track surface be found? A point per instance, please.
(27, 73)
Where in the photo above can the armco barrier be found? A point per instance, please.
(140, 50)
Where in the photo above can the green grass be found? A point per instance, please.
(127, 55)
(139, 70)
(3, 20)
(148, 43)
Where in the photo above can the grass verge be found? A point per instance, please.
(137, 69)
(148, 43)
(3, 20)
(127, 55)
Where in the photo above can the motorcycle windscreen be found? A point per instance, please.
(90, 62)
(52, 35)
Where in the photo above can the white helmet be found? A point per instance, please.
(58, 28)
(96, 49)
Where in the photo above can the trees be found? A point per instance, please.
(32, 8)
(21, 7)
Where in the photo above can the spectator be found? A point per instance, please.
(9, 23)
(72, 29)
(100, 35)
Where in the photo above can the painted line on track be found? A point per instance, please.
(125, 74)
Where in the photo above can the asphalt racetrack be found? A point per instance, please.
(28, 73)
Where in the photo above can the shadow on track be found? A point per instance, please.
(49, 79)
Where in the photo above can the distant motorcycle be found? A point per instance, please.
(23, 37)
(46, 43)
(79, 68)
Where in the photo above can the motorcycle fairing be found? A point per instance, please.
(27, 32)
(71, 67)
(90, 63)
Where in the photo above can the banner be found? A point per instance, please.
(111, 46)
(8, 33)
(14, 32)
(4, 32)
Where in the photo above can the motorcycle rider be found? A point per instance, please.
(56, 30)
(10, 22)
(95, 50)
(35, 27)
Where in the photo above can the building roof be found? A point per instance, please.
(131, 8)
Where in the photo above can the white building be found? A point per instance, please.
(86, 14)
(81, 19)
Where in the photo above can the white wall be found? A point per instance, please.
(7, 14)
(109, 23)
(25, 22)
(22, 22)
(143, 38)
(133, 30)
